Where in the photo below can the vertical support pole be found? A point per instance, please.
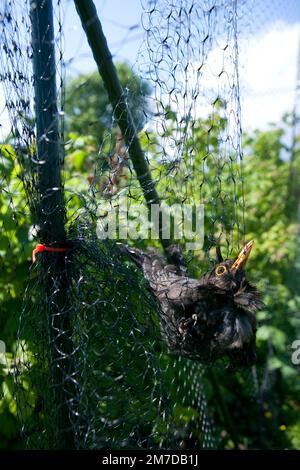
(51, 215)
(107, 70)
(51, 207)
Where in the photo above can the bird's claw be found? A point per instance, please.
(184, 323)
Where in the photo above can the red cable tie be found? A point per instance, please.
(40, 247)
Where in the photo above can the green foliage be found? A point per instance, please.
(87, 107)
(15, 252)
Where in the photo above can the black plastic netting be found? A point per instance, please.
(91, 369)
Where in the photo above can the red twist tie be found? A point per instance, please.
(40, 247)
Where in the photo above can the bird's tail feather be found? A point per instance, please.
(150, 262)
(134, 254)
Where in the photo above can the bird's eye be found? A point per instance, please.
(221, 270)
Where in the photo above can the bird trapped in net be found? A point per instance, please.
(208, 318)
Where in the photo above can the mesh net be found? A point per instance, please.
(90, 368)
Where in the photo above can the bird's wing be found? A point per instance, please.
(181, 290)
(167, 281)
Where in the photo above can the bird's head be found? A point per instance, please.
(235, 333)
(229, 275)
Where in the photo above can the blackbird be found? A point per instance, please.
(206, 318)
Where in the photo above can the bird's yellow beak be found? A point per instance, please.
(242, 257)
